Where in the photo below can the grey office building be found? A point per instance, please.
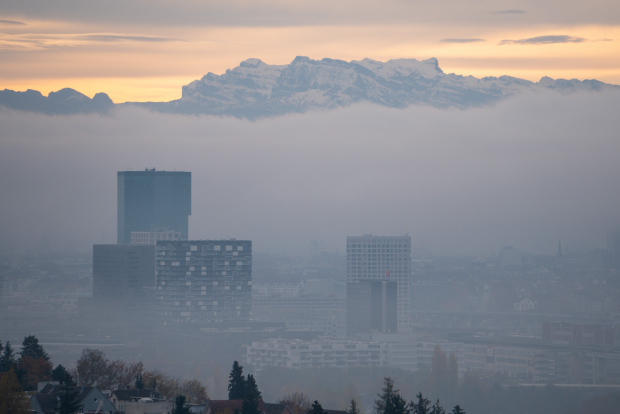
(204, 281)
(383, 258)
(371, 307)
(152, 200)
(121, 271)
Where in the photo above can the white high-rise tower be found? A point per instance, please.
(383, 258)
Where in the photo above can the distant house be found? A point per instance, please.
(140, 402)
(231, 406)
(92, 400)
(277, 409)
(223, 406)
(197, 408)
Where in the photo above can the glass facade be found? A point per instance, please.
(120, 271)
(153, 201)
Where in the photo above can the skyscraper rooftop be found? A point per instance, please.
(150, 199)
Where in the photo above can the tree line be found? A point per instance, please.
(94, 369)
(388, 402)
(31, 365)
(21, 372)
(391, 402)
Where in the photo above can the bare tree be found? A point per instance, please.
(298, 402)
(95, 369)
(194, 391)
(91, 367)
(121, 374)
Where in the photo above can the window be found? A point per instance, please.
(217, 248)
(229, 248)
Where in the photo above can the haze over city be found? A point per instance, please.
(309, 208)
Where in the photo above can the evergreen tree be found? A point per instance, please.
(251, 388)
(32, 349)
(353, 407)
(12, 398)
(251, 398)
(33, 365)
(236, 383)
(139, 382)
(7, 360)
(397, 405)
(458, 410)
(385, 398)
(179, 406)
(69, 402)
(316, 408)
(437, 409)
(421, 407)
(61, 375)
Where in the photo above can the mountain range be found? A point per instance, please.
(255, 89)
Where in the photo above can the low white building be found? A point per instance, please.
(318, 353)
(426, 348)
(140, 402)
(406, 353)
(524, 305)
(403, 355)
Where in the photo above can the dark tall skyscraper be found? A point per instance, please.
(121, 271)
(153, 200)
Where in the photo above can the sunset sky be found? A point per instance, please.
(137, 50)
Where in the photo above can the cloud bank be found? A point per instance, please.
(544, 40)
(524, 173)
(11, 23)
(461, 40)
(305, 12)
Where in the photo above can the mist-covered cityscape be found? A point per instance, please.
(169, 308)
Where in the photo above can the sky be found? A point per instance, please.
(138, 50)
(527, 172)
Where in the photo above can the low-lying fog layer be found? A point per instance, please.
(527, 172)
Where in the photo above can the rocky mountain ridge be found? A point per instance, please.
(255, 89)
